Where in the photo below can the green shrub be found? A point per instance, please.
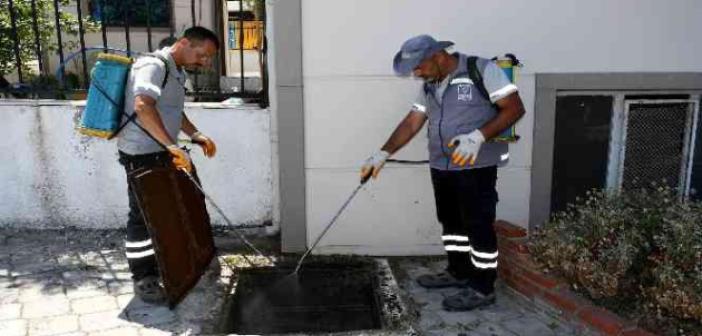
(72, 81)
(640, 250)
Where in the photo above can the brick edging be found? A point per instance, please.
(519, 272)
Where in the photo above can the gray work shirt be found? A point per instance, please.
(146, 78)
(496, 83)
(455, 107)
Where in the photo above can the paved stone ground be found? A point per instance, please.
(511, 315)
(73, 282)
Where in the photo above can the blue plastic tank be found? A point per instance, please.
(103, 110)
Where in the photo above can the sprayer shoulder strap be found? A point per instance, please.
(477, 78)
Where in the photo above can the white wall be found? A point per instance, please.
(251, 62)
(353, 101)
(274, 109)
(51, 176)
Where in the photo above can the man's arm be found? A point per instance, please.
(187, 126)
(509, 110)
(148, 75)
(146, 93)
(405, 131)
(150, 119)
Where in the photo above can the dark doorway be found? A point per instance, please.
(580, 153)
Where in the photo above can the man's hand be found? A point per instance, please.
(181, 159)
(468, 147)
(208, 146)
(374, 164)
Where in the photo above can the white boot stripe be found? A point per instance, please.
(456, 248)
(484, 255)
(137, 255)
(455, 238)
(137, 244)
(483, 265)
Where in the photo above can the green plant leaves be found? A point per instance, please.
(644, 243)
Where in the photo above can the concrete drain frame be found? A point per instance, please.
(334, 295)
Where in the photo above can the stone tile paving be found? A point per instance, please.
(511, 315)
(76, 282)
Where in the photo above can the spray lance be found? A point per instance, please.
(333, 220)
(221, 213)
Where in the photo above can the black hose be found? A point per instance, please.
(408, 162)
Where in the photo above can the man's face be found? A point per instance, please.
(198, 54)
(429, 70)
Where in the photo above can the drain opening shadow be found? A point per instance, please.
(320, 298)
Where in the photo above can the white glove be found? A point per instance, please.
(374, 164)
(468, 147)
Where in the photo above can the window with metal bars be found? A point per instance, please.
(622, 141)
(140, 13)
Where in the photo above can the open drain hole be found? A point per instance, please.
(322, 298)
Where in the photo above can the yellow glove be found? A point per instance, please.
(208, 146)
(181, 159)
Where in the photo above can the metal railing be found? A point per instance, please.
(105, 19)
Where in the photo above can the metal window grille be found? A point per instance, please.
(656, 143)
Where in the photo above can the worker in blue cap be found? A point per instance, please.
(464, 117)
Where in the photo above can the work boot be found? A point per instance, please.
(468, 299)
(441, 280)
(149, 290)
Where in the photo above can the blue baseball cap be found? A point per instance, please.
(414, 51)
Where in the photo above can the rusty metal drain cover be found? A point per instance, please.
(175, 214)
(323, 298)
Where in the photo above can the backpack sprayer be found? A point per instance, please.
(104, 108)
